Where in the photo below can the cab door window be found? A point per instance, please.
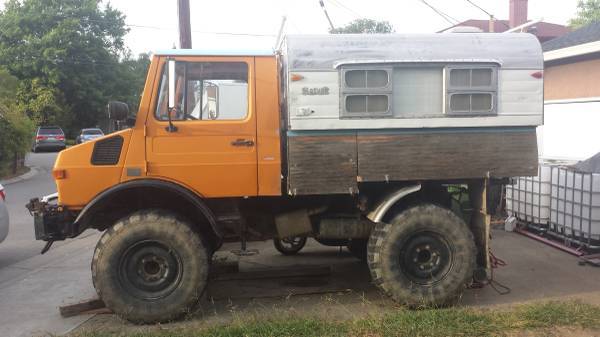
(206, 91)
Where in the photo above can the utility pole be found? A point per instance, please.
(185, 32)
(326, 15)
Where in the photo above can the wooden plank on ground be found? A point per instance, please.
(80, 308)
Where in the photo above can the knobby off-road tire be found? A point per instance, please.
(424, 257)
(150, 267)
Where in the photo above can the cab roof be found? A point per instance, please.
(214, 52)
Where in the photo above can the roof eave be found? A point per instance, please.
(572, 51)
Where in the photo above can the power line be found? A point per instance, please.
(477, 6)
(486, 12)
(200, 31)
(442, 14)
(339, 4)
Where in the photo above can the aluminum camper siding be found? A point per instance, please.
(330, 153)
(318, 58)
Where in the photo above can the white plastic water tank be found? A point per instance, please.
(575, 204)
(528, 199)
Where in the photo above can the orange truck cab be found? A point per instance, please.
(387, 144)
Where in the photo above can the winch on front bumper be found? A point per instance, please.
(52, 222)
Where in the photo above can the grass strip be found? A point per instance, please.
(402, 323)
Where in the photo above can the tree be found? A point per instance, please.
(66, 55)
(364, 26)
(588, 11)
(15, 127)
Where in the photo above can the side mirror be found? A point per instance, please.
(117, 111)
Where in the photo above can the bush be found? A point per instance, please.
(15, 139)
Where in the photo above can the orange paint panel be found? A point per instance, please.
(83, 180)
(202, 154)
(268, 126)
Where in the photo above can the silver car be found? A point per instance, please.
(3, 215)
(89, 134)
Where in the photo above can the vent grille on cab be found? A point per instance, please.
(107, 151)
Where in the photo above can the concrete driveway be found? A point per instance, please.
(32, 286)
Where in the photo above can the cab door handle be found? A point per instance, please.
(243, 142)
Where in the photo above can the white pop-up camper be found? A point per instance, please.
(410, 107)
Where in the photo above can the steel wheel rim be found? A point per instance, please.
(150, 270)
(426, 258)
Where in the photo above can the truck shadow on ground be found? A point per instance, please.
(331, 284)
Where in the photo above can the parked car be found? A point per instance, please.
(3, 215)
(88, 134)
(49, 138)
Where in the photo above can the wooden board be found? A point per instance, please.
(331, 164)
(446, 155)
(322, 164)
(85, 307)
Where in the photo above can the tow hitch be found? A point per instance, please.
(52, 222)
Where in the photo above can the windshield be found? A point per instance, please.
(92, 132)
(54, 131)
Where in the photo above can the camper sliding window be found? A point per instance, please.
(471, 90)
(366, 92)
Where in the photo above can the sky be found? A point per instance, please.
(216, 23)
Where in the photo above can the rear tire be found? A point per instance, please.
(424, 257)
(289, 246)
(150, 267)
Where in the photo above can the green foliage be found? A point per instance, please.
(70, 60)
(364, 26)
(588, 11)
(15, 127)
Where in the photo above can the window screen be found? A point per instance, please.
(367, 79)
(366, 93)
(367, 104)
(472, 90)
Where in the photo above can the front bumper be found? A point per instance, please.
(52, 222)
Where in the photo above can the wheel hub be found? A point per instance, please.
(425, 258)
(150, 270)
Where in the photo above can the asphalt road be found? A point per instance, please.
(20, 243)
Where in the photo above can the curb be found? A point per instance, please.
(32, 173)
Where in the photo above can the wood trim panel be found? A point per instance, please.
(322, 164)
(442, 156)
(338, 163)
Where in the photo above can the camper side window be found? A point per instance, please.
(366, 92)
(471, 91)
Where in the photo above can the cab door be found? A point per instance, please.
(209, 144)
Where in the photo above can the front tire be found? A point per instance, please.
(150, 267)
(424, 257)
